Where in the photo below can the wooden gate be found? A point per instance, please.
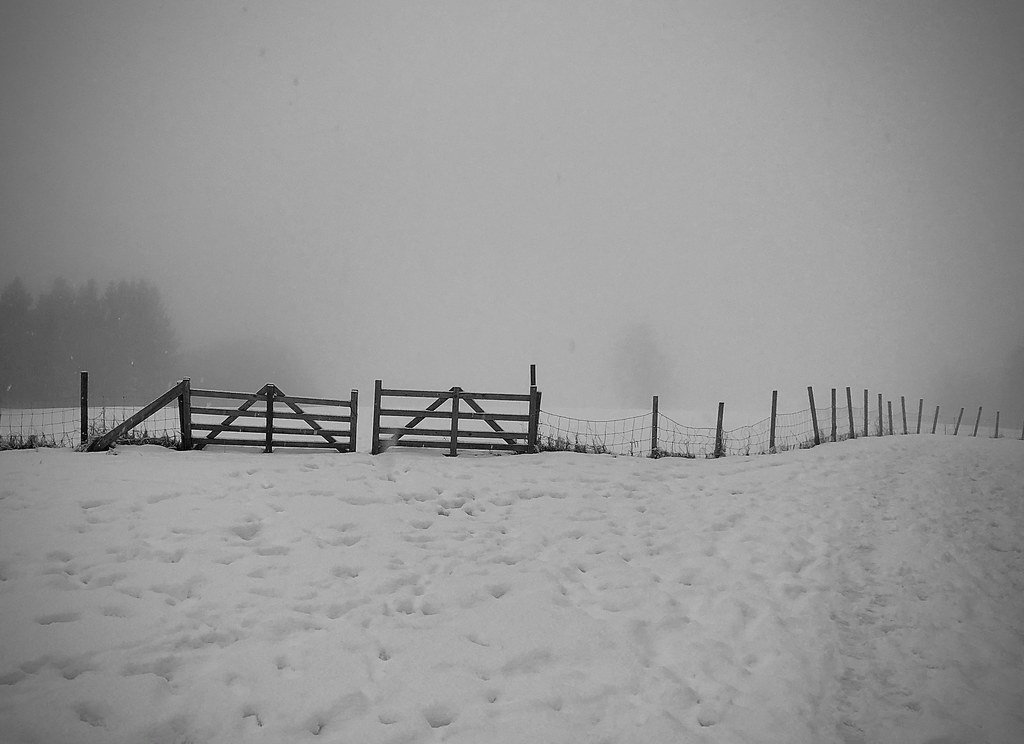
(270, 407)
(462, 408)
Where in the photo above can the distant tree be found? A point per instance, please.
(16, 340)
(139, 340)
(124, 338)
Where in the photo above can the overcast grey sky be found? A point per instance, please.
(739, 196)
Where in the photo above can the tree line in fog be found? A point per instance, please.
(120, 333)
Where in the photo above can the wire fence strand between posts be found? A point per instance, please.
(622, 436)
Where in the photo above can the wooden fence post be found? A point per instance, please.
(271, 392)
(865, 412)
(83, 399)
(957, 427)
(771, 430)
(185, 413)
(654, 426)
(353, 407)
(920, 412)
(889, 404)
(935, 421)
(453, 445)
(833, 414)
(534, 431)
(976, 422)
(997, 426)
(881, 431)
(533, 375)
(375, 434)
(903, 412)
(814, 416)
(849, 411)
(719, 432)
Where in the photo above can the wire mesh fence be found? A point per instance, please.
(621, 436)
(638, 436)
(62, 427)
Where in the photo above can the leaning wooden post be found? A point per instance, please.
(880, 430)
(453, 445)
(271, 391)
(719, 433)
(935, 421)
(353, 424)
(833, 414)
(849, 411)
(997, 426)
(976, 422)
(865, 412)
(957, 427)
(889, 404)
(920, 412)
(903, 412)
(185, 413)
(654, 426)
(83, 399)
(771, 430)
(814, 416)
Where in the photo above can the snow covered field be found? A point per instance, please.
(870, 591)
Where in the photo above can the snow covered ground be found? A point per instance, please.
(869, 591)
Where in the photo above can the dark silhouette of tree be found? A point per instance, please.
(15, 341)
(123, 337)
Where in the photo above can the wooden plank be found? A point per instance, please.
(339, 446)
(418, 413)
(424, 444)
(83, 402)
(425, 414)
(849, 410)
(814, 416)
(472, 434)
(238, 442)
(534, 427)
(453, 437)
(375, 448)
(185, 414)
(198, 393)
(271, 392)
(512, 397)
(441, 394)
(304, 400)
(353, 406)
(235, 413)
(241, 428)
(833, 436)
(103, 442)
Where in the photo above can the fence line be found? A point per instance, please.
(653, 434)
(643, 435)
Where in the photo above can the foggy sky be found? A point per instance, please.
(753, 195)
